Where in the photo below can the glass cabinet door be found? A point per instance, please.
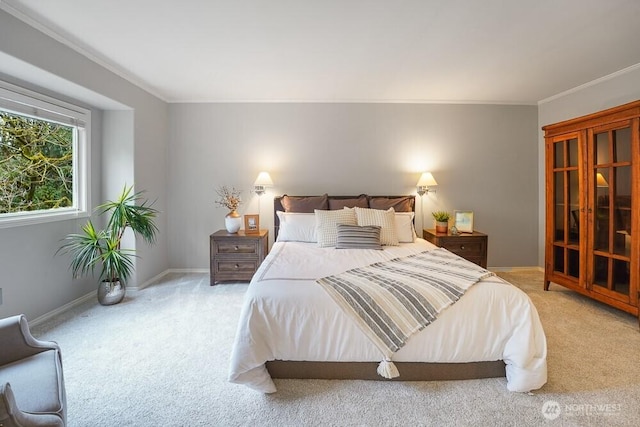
(610, 190)
(566, 206)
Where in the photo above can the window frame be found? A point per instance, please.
(37, 105)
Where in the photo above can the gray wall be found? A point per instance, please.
(608, 92)
(484, 158)
(35, 282)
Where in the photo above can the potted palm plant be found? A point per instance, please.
(103, 248)
(442, 221)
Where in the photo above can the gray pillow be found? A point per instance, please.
(305, 204)
(358, 237)
(360, 201)
(399, 204)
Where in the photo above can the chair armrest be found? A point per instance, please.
(11, 415)
(17, 342)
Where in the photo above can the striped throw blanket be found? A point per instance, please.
(392, 300)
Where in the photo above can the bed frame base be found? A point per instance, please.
(409, 371)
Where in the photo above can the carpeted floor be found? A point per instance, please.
(160, 358)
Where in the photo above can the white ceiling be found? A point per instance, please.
(489, 51)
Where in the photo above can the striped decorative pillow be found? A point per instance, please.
(358, 237)
(385, 219)
(327, 224)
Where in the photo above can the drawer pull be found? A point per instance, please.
(236, 248)
(462, 247)
(237, 266)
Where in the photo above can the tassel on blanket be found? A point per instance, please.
(387, 369)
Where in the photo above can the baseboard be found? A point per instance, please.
(68, 306)
(45, 317)
(188, 270)
(148, 282)
(164, 273)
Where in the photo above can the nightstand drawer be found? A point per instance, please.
(237, 247)
(236, 266)
(464, 247)
(472, 246)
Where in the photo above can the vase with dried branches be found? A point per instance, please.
(230, 199)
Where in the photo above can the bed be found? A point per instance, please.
(291, 327)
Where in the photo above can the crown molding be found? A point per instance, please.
(85, 51)
(590, 84)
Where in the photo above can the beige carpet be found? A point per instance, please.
(161, 358)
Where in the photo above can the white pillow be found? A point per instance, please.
(327, 224)
(404, 227)
(296, 227)
(385, 219)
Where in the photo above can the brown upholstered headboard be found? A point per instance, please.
(307, 203)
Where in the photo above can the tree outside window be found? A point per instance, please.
(36, 164)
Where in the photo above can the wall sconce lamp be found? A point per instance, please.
(426, 180)
(262, 181)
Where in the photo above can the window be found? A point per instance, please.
(44, 155)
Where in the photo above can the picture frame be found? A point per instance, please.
(463, 221)
(252, 224)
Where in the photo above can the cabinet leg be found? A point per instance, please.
(546, 285)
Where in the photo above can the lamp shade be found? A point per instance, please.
(263, 180)
(426, 180)
(600, 181)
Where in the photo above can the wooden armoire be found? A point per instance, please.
(592, 202)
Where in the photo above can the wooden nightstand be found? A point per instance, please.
(470, 246)
(236, 256)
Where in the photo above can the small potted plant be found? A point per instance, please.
(442, 221)
(103, 247)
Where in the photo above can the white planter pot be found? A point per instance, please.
(233, 222)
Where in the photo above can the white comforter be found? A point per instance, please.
(288, 316)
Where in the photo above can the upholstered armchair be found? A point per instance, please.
(32, 389)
